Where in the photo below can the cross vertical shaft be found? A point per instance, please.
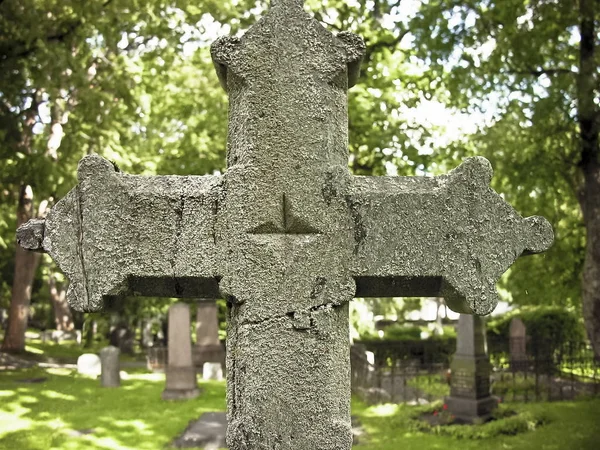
(286, 277)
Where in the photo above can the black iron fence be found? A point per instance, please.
(525, 371)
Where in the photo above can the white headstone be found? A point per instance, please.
(212, 371)
(89, 364)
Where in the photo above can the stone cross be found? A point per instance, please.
(180, 373)
(287, 235)
(470, 398)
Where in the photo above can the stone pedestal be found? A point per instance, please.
(470, 398)
(109, 360)
(208, 348)
(180, 373)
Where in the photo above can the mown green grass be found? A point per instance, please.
(42, 416)
(67, 351)
(572, 426)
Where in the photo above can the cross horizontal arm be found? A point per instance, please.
(450, 236)
(116, 234)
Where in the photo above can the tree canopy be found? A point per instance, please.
(132, 80)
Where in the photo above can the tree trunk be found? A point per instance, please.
(590, 166)
(89, 331)
(25, 266)
(62, 312)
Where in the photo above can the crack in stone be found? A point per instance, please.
(179, 208)
(215, 212)
(318, 288)
(360, 231)
(296, 316)
(80, 246)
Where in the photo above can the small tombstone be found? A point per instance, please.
(181, 380)
(89, 364)
(470, 399)
(208, 348)
(147, 338)
(212, 371)
(518, 345)
(109, 376)
(122, 337)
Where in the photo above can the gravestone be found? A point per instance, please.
(122, 337)
(470, 399)
(181, 382)
(208, 348)
(212, 371)
(109, 360)
(147, 339)
(518, 345)
(59, 336)
(89, 364)
(287, 235)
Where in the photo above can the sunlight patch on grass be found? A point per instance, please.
(386, 410)
(34, 350)
(60, 371)
(139, 425)
(58, 395)
(27, 399)
(152, 377)
(12, 421)
(101, 442)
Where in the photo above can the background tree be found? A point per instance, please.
(79, 77)
(528, 69)
(132, 80)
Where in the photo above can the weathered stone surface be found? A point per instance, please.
(470, 399)
(457, 237)
(118, 234)
(181, 382)
(30, 235)
(109, 360)
(287, 236)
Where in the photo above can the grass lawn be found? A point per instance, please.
(573, 426)
(45, 415)
(67, 351)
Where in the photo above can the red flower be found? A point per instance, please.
(435, 413)
(445, 406)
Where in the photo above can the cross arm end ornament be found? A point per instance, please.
(450, 236)
(30, 235)
(116, 235)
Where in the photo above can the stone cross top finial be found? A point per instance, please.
(287, 3)
(287, 235)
